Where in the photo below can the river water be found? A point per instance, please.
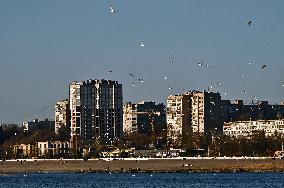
(251, 180)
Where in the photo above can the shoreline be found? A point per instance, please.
(142, 165)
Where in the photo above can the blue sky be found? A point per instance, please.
(45, 45)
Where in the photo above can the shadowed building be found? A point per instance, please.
(144, 118)
(238, 111)
(36, 125)
(96, 110)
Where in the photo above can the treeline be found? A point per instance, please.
(12, 134)
(213, 143)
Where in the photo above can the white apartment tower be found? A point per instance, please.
(75, 110)
(130, 118)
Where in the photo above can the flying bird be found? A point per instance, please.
(212, 103)
(110, 71)
(170, 88)
(141, 80)
(263, 66)
(249, 23)
(131, 75)
(200, 64)
(112, 10)
(141, 44)
(171, 62)
(219, 83)
(133, 84)
(249, 62)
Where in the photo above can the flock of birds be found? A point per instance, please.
(201, 64)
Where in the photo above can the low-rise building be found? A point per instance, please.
(53, 148)
(249, 128)
(25, 151)
(36, 125)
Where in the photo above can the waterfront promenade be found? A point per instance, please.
(110, 165)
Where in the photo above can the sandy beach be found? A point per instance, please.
(143, 165)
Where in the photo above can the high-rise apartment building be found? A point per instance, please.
(144, 118)
(130, 118)
(75, 110)
(178, 116)
(206, 111)
(62, 114)
(96, 110)
(194, 110)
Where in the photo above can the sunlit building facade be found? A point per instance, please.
(62, 114)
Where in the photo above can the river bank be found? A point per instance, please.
(142, 165)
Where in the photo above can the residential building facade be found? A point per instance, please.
(75, 112)
(36, 125)
(62, 114)
(238, 111)
(206, 111)
(144, 118)
(194, 111)
(96, 110)
(249, 128)
(178, 116)
(53, 149)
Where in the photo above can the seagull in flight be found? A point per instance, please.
(263, 66)
(200, 64)
(249, 23)
(110, 71)
(112, 10)
(141, 44)
(219, 83)
(141, 80)
(131, 75)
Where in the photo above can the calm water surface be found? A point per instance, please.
(251, 180)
